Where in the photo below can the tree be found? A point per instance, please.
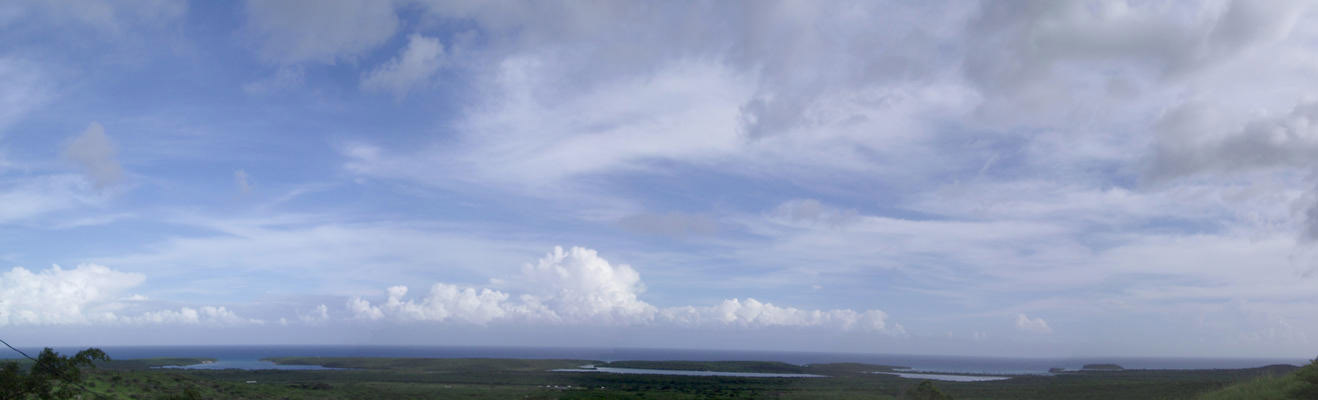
(1308, 377)
(51, 376)
(926, 391)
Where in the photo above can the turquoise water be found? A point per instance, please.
(247, 364)
(611, 370)
(946, 377)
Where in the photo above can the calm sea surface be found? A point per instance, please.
(247, 357)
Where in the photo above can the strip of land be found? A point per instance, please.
(486, 378)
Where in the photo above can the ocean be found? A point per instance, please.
(241, 356)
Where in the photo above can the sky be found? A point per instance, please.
(1024, 178)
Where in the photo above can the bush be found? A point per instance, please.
(1308, 377)
(926, 391)
(51, 376)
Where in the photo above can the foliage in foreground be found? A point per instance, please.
(50, 376)
(926, 391)
(1300, 385)
(402, 378)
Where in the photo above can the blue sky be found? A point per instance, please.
(1002, 178)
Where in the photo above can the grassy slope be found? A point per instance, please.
(1265, 388)
(1300, 385)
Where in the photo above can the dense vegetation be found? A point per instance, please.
(48, 376)
(408, 378)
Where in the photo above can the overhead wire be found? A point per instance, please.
(77, 384)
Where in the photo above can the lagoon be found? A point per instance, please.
(946, 377)
(247, 365)
(611, 370)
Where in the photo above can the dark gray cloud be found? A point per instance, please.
(1193, 139)
(1028, 55)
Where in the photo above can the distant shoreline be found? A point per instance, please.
(935, 364)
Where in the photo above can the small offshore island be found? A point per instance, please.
(503, 378)
(1101, 367)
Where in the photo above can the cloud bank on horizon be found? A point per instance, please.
(999, 178)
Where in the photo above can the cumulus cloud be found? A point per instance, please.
(1032, 325)
(295, 31)
(95, 153)
(363, 309)
(208, 315)
(59, 296)
(411, 69)
(577, 286)
(755, 314)
(89, 294)
(319, 314)
(443, 303)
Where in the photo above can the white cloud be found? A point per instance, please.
(411, 69)
(529, 140)
(91, 221)
(295, 31)
(1032, 325)
(363, 309)
(319, 314)
(755, 314)
(45, 194)
(449, 303)
(89, 294)
(208, 315)
(601, 91)
(95, 153)
(60, 296)
(578, 287)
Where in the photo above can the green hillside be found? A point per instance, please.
(1299, 385)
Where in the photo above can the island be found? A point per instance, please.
(1101, 367)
